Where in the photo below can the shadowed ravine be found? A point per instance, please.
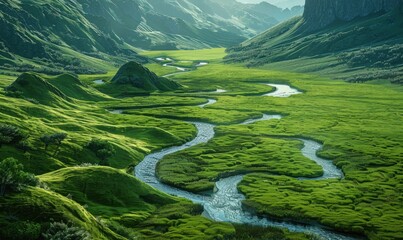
(225, 204)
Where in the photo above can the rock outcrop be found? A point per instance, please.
(321, 13)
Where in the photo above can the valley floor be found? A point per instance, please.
(359, 125)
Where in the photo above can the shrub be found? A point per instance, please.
(24, 230)
(10, 134)
(65, 231)
(24, 146)
(53, 139)
(102, 149)
(12, 176)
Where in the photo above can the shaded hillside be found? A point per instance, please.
(34, 207)
(87, 36)
(321, 13)
(83, 183)
(373, 41)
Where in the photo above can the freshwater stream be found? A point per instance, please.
(225, 204)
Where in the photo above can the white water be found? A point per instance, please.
(264, 118)
(201, 64)
(282, 91)
(221, 91)
(99, 82)
(210, 102)
(117, 111)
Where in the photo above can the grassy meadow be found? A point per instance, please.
(360, 126)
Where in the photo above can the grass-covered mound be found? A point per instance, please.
(138, 76)
(52, 91)
(28, 214)
(34, 88)
(132, 208)
(105, 190)
(72, 87)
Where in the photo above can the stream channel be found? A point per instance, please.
(225, 204)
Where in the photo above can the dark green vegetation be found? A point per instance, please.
(55, 36)
(12, 176)
(363, 49)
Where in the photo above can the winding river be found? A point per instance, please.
(225, 204)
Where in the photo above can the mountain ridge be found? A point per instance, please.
(54, 36)
(321, 13)
(348, 49)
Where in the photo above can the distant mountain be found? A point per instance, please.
(279, 3)
(64, 34)
(358, 34)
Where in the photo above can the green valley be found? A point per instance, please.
(293, 134)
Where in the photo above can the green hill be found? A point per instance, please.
(345, 48)
(34, 88)
(72, 87)
(105, 189)
(135, 78)
(54, 91)
(39, 206)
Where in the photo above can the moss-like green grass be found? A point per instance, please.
(234, 152)
(360, 126)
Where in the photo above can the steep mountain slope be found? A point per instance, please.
(319, 13)
(86, 36)
(356, 35)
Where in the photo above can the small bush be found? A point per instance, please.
(65, 231)
(12, 176)
(24, 230)
(102, 149)
(10, 134)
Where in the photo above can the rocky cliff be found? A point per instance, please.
(320, 13)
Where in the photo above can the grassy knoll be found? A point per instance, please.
(359, 124)
(38, 206)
